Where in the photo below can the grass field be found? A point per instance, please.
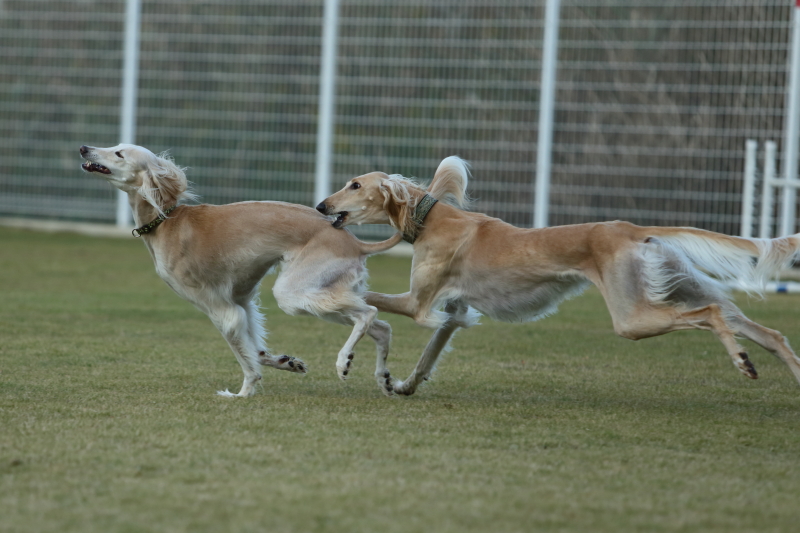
(109, 420)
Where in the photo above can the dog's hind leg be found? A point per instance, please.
(769, 339)
(362, 320)
(650, 292)
(649, 321)
(381, 333)
(233, 322)
(712, 318)
(258, 335)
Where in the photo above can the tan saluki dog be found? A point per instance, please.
(215, 256)
(655, 280)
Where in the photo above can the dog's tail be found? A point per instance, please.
(449, 184)
(748, 262)
(369, 248)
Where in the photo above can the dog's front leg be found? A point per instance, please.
(409, 304)
(456, 313)
(398, 304)
(426, 363)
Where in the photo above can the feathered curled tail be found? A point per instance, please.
(449, 184)
(748, 262)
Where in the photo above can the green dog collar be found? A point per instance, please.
(420, 212)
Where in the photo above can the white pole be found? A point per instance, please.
(130, 83)
(749, 187)
(765, 231)
(790, 139)
(547, 96)
(327, 92)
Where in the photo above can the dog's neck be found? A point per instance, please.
(143, 211)
(423, 206)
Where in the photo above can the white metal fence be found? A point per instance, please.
(653, 100)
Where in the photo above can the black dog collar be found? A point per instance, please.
(152, 225)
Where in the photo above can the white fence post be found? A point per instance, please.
(547, 96)
(765, 229)
(749, 187)
(327, 105)
(790, 139)
(130, 83)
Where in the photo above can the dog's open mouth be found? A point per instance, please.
(95, 167)
(339, 222)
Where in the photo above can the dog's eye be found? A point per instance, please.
(355, 185)
(119, 154)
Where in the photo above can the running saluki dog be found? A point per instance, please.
(215, 256)
(655, 280)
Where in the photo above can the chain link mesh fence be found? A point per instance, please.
(654, 101)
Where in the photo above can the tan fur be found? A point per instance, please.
(215, 256)
(654, 279)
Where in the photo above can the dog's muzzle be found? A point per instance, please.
(340, 217)
(90, 166)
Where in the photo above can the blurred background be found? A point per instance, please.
(653, 100)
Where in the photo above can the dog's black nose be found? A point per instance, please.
(322, 207)
(84, 150)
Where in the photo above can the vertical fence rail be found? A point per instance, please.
(130, 86)
(327, 101)
(749, 188)
(791, 137)
(765, 227)
(544, 146)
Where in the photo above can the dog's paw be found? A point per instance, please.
(386, 383)
(343, 367)
(227, 394)
(292, 364)
(404, 388)
(745, 366)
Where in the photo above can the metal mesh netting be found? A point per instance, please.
(653, 102)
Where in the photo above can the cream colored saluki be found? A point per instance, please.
(215, 256)
(654, 279)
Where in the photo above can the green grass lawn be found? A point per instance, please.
(109, 419)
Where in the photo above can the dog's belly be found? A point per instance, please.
(522, 302)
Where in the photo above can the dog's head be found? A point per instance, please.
(133, 168)
(374, 198)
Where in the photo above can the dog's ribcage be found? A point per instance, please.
(521, 300)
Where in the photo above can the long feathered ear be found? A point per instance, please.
(163, 183)
(398, 205)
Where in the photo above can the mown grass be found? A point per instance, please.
(109, 421)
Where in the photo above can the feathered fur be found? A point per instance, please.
(450, 182)
(164, 183)
(655, 280)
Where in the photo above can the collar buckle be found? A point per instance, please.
(153, 224)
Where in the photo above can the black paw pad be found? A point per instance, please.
(283, 359)
(750, 368)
